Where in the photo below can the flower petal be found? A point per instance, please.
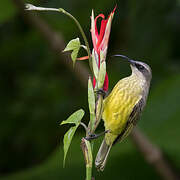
(94, 82)
(104, 42)
(93, 32)
(102, 31)
(83, 58)
(96, 31)
(106, 83)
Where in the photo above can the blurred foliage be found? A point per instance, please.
(7, 11)
(36, 88)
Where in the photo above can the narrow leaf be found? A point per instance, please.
(67, 141)
(74, 118)
(74, 55)
(91, 101)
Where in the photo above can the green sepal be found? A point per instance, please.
(74, 46)
(91, 102)
(94, 63)
(87, 151)
(102, 71)
(75, 118)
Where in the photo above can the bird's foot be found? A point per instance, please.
(101, 92)
(95, 136)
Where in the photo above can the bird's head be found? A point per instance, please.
(139, 68)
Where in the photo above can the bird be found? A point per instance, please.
(122, 108)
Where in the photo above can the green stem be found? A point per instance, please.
(86, 145)
(88, 173)
(88, 157)
(82, 33)
(30, 7)
(99, 108)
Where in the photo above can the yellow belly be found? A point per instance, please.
(118, 106)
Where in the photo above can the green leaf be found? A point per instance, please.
(74, 46)
(91, 101)
(75, 118)
(67, 141)
(74, 55)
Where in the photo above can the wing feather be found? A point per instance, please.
(132, 121)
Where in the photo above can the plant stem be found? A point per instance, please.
(88, 173)
(87, 151)
(82, 33)
(99, 108)
(86, 145)
(31, 7)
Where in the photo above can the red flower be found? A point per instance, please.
(100, 41)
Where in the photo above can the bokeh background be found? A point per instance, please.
(38, 90)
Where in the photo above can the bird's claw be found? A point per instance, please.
(101, 92)
(95, 136)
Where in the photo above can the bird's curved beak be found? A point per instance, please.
(131, 61)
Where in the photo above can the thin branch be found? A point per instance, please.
(151, 152)
(55, 41)
(88, 157)
(30, 7)
(85, 127)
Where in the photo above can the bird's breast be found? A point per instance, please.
(120, 103)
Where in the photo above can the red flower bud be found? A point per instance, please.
(100, 40)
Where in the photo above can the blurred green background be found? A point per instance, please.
(37, 91)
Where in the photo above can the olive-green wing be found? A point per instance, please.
(136, 112)
(132, 121)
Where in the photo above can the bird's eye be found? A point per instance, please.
(140, 67)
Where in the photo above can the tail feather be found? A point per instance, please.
(102, 155)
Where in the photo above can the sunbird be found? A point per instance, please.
(123, 107)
